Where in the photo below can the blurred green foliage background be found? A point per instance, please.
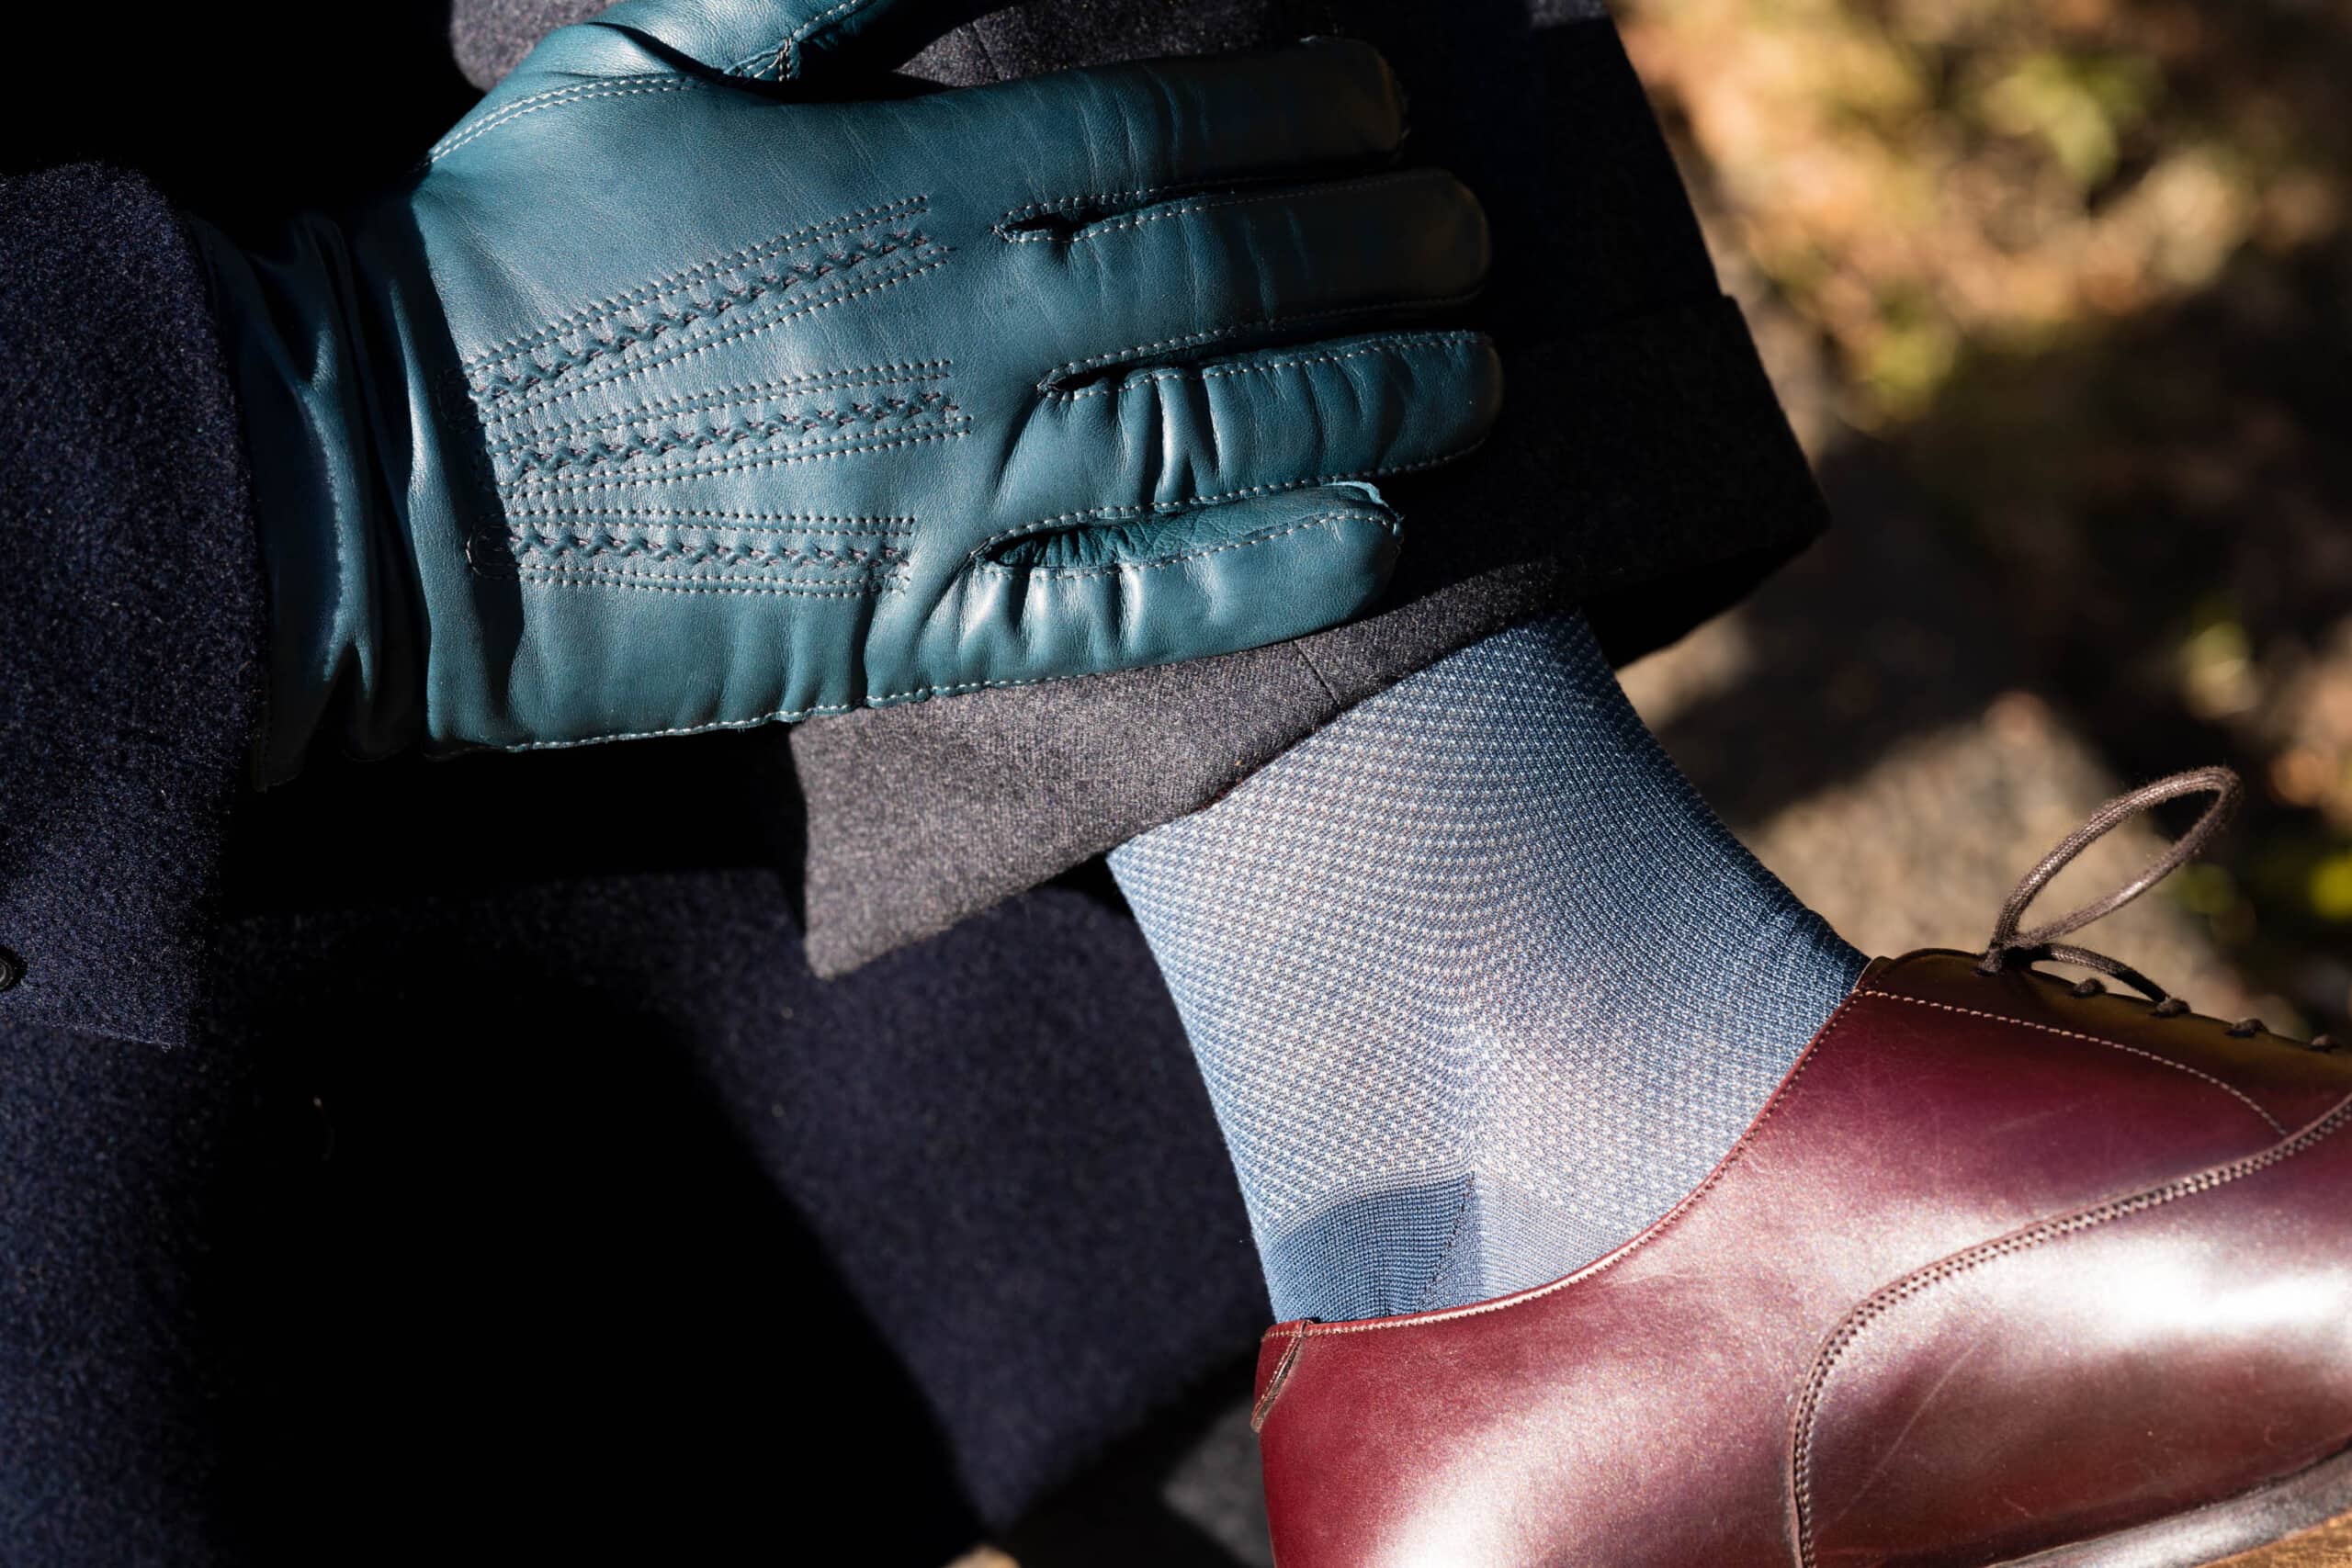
(2060, 296)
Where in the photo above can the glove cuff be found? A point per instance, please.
(342, 644)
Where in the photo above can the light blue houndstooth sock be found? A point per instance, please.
(1479, 985)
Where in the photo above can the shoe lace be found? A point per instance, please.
(2010, 944)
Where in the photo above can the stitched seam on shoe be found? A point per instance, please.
(1264, 1406)
(1390, 343)
(1273, 323)
(1672, 1217)
(1875, 1305)
(541, 397)
(612, 87)
(518, 377)
(2240, 1096)
(675, 474)
(686, 278)
(722, 398)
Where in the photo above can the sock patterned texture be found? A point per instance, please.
(1479, 985)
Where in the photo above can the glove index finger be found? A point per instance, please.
(1099, 140)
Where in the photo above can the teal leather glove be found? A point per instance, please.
(668, 397)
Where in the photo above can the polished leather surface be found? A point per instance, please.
(1998, 1269)
(670, 396)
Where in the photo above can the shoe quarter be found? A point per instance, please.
(2098, 1369)
(1905, 1134)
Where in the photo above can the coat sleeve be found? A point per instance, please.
(1642, 472)
(131, 606)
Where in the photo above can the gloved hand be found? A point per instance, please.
(667, 397)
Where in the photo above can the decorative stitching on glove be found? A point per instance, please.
(1387, 342)
(1064, 203)
(614, 88)
(878, 699)
(749, 255)
(681, 349)
(908, 373)
(593, 541)
(653, 582)
(725, 295)
(1210, 204)
(1246, 541)
(811, 452)
(772, 522)
(781, 61)
(1050, 383)
(1009, 227)
(1108, 513)
(618, 447)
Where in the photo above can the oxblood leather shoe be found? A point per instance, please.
(2008, 1271)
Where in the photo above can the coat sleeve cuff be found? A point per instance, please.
(1662, 481)
(131, 606)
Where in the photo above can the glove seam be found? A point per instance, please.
(1386, 342)
(1047, 383)
(661, 582)
(597, 311)
(553, 98)
(809, 306)
(615, 448)
(1246, 541)
(722, 398)
(781, 60)
(743, 521)
(1211, 204)
(787, 715)
(1215, 498)
(674, 473)
(1044, 205)
(807, 588)
(509, 379)
(603, 541)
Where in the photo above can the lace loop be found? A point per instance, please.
(2041, 943)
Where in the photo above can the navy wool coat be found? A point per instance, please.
(425, 1152)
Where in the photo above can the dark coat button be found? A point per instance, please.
(12, 969)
